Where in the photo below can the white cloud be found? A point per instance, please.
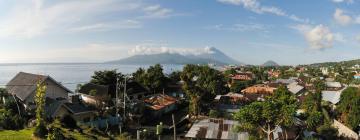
(150, 48)
(156, 11)
(255, 6)
(340, 1)
(36, 17)
(95, 52)
(239, 27)
(31, 18)
(319, 37)
(127, 24)
(341, 18)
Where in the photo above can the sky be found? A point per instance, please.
(289, 32)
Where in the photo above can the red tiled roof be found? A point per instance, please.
(160, 101)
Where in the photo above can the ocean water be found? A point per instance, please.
(70, 74)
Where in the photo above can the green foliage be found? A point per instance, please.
(3, 93)
(229, 72)
(55, 132)
(214, 113)
(40, 130)
(175, 76)
(237, 86)
(314, 119)
(153, 78)
(312, 102)
(349, 107)
(201, 84)
(93, 92)
(278, 110)
(107, 77)
(11, 121)
(327, 131)
(69, 122)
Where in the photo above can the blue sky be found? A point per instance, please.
(251, 31)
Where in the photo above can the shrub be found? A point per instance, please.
(55, 132)
(40, 131)
(11, 121)
(214, 113)
(69, 122)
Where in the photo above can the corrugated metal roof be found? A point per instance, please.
(216, 129)
(294, 88)
(333, 84)
(332, 96)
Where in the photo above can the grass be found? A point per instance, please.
(25, 134)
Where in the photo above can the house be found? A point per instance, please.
(332, 96)
(274, 74)
(160, 104)
(333, 85)
(324, 70)
(344, 131)
(295, 88)
(215, 129)
(242, 76)
(357, 76)
(23, 86)
(258, 92)
(95, 95)
(135, 91)
(78, 111)
(230, 102)
(286, 81)
(259, 89)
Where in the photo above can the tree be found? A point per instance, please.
(313, 112)
(201, 84)
(107, 77)
(278, 110)
(153, 78)
(3, 93)
(175, 76)
(40, 129)
(327, 131)
(140, 75)
(349, 107)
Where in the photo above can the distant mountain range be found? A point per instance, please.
(214, 57)
(343, 63)
(270, 63)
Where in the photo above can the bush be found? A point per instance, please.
(40, 131)
(69, 122)
(11, 121)
(328, 132)
(55, 132)
(214, 113)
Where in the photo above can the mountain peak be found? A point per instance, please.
(203, 56)
(270, 63)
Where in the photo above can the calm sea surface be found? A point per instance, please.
(70, 74)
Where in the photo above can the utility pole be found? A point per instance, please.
(117, 103)
(174, 125)
(125, 97)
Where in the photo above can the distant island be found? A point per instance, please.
(214, 57)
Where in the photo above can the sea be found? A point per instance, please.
(71, 74)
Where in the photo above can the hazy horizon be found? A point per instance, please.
(250, 31)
